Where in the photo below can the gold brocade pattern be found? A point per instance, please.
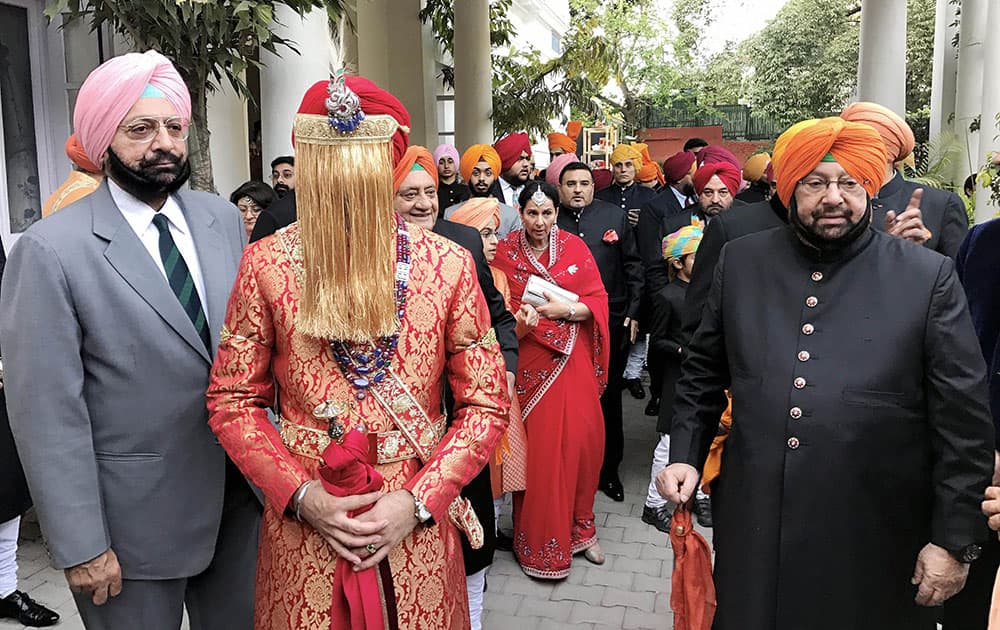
(446, 317)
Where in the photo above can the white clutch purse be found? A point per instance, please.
(535, 289)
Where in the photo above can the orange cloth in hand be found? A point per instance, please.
(415, 154)
(692, 595)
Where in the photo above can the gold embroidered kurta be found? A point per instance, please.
(445, 332)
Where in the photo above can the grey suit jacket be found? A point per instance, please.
(105, 381)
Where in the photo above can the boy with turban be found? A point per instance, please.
(515, 165)
(356, 317)
(451, 189)
(480, 166)
(138, 502)
(859, 395)
(926, 215)
(666, 340)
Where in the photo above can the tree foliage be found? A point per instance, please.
(206, 41)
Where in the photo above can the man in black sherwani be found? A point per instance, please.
(606, 231)
(862, 443)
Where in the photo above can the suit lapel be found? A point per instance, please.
(130, 258)
(213, 258)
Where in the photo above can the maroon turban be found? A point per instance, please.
(729, 174)
(374, 101)
(510, 149)
(602, 178)
(678, 165)
(715, 153)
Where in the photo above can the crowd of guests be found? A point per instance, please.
(414, 340)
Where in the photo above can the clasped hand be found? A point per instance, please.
(938, 575)
(390, 519)
(101, 577)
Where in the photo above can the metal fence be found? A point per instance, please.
(739, 122)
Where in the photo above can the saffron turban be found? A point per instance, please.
(510, 148)
(755, 166)
(624, 152)
(415, 156)
(110, 91)
(374, 101)
(715, 153)
(557, 165)
(559, 140)
(78, 156)
(896, 134)
(856, 148)
(678, 165)
(445, 150)
(650, 168)
(602, 178)
(682, 242)
(729, 174)
(474, 155)
(478, 213)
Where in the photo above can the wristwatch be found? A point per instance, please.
(420, 510)
(967, 554)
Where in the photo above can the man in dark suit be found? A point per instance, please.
(938, 221)
(606, 231)
(274, 217)
(678, 195)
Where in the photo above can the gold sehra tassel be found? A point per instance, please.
(348, 231)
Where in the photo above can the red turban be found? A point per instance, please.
(678, 165)
(715, 153)
(729, 174)
(77, 155)
(856, 147)
(374, 101)
(413, 156)
(510, 148)
(602, 178)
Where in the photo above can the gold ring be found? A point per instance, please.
(371, 548)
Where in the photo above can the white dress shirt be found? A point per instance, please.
(681, 197)
(510, 193)
(139, 216)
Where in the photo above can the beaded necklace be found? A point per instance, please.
(367, 363)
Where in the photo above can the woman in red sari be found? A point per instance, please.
(562, 370)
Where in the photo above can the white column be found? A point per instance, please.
(988, 132)
(284, 79)
(969, 92)
(945, 72)
(882, 59)
(473, 74)
(227, 121)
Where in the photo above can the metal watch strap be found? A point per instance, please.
(420, 510)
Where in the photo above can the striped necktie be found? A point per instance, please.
(180, 279)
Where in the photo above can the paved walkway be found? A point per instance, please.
(631, 590)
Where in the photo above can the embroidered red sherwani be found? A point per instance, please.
(446, 330)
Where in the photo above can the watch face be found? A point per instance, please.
(971, 553)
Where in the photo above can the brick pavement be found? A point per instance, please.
(631, 590)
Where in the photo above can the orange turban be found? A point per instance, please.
(856, 147)
(729, 174)
(650, 168)
(478, 212)
(415, 156)
(559, 140)
(474, 155)
(755, 166)
(77, 155)
(624, 152)
(896, 134)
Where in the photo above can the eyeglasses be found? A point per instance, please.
(818, 185)
(145, 129)
(246, 204)
(488, 233)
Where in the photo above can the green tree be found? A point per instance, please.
(207, 41)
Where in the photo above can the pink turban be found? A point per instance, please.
(113, 88)
(448, 150)
(556, 166)
(715, 153)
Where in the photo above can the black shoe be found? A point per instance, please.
(703, 510)
(504, 542)
(634, 387)
(27, 611)
(614, 489)
(657, 517)
(653, 407)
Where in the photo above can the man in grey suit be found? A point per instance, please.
(111, 315)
